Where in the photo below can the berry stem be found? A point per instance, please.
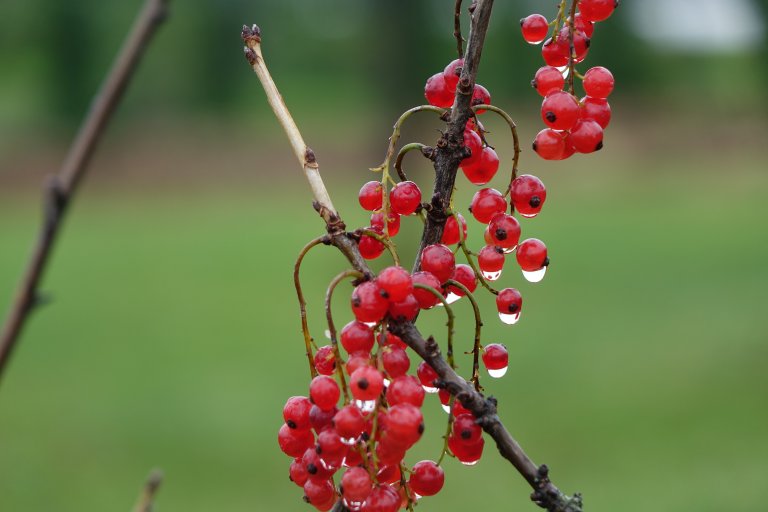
(404, 485)
(332, 327)
(449, 323)
(515, 139)
(572, 48)
(478, 330)
(387, 241)
(445, 449)
(146, 500)
(457, 29)
(398, 127)
(303, 303)
(471, 262)
(401, 154)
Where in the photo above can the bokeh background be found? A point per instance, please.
(638, 372)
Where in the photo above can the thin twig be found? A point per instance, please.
(478, 330)
(61, 188)
(425, 150)
(332, 327)
(515, 139)
(146, 500)
(457, 29)
(571, 48)
(303, 303)
(449, 323)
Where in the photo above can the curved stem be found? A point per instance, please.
(401, 154)
(572, 49)
(449, 324)
(471, 262)
(478, 329)
(398, 126)
(515, 139)
(387, 241)
(445, 449)
(332, 327)
(303, 304)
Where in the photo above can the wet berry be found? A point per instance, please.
(535, 28)
(324, 392)
(294, 442)
(427, 478)
(437, 91)
(495, 356)
(366, 383)
(486, 203)
(504, 230)
(480, 96)
(349, 422)
(396, 282)
(598, 82)
(550, 144)
(560, 110)
(596, 109)
(357, 484)
(425, 298)
(371, 196)
(325, 360)
(405, 390)
(597, 10)
(466, 276)
(483, 170)
(555, 53)
(439, 260)
(395, 361)
(296, 412)
(532, 254)
(406, 309)
(393, 223)
(450, 75)
(451, 230)
(405, 197)
(427, 376)
(357, 337)
(586, 136)
(547, 80)
(369, 303)
(528, 195)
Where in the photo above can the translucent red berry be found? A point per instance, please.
(464, 275)
(509, 302)
(496, 359)
(475, 145)
(357, 484)
(483, 170)
(395, 361)
(467, 453)
(532, 255)
(598, 82)
(320, 419)
(586, 136)
(406, 309)
(325, 360)
(349, 422)
(450, 75)
(451, 230)
(550, 144)
(370, 248)
(585, 26)
(294, 442)
(319, 493)
(425, 298)
(560, 110)
(490, 259)
(396, 282)
(504, 230)
(597, 10)
(427, 478)
(528, 195)
(405, 390)
(382, 499)
(366, 383)
(393, 223)
(331, 448)
(555, 53)
(405, 197)
(580, 42)
(371, 196)
(392, 339)
(437, 91)
(369, 303)
(357, 337)
(486, 203)
(324, 392)
(438, 259)
(427, 377)
(465, 427)
(534, 28)
(296, 412)
(596, 109)
(480, 96)
(298, 473)
(405, 423)
(548, 79)
(357, 360)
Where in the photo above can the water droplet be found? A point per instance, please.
(529, 215)
(327, 334)
(452, 297)
(386, 383)
(349, 441)
(536, 275)
(439, 305)
(491, 276)
(470, 463)
(446, 408)
(429, 389)
(510, 250)
(564, 70)
(509, 319)
(365, 406)
(370, 324)
(416, 496)
(353, 505)
(497, 374)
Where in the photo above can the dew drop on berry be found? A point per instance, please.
(510, 319)
(535, 276)
(499, 373)
(452, 297)
(365, 406)
(470, 463)
(327, 333)
(491, 276)
(349, 441)
(446, 408)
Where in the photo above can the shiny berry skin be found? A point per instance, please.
(357, 360)
(427, 478)
(597, 10)
(366, 383)
(368, 302)
(407, 308)
(404, 423)
(395, 361)
(298, 473)
(555, 53)
(583, 25)
(320, 419)
(534, 28)
(296, 412)
(427, 375)
(548, 79)
(357, 337)
(449, 73)
(382, 499)
(580, 42)
(495, 356)
(475, 144)
(528, 195)
(598, 82)
(437, 92)
(325, 360)
(324, 392)
(357, 484)
(596, 109)
(504, 230)
(509, 301)
(331, 448)
(560, 110)
(369, 247)
(405, 197)
(549, 144)
(438, 259)
(451, 230)
(465, 427)
(405, 390)
(392, 339)
(466, 276)
(348, 422)
(396, 282)
(466, 453)
(389, 474)
(319, 492)
(425, 298)
(482, 171)
(458, 409)
(532, 255)
(586, 136)
(490, 259)
(486, 203)
(371, 196)
(480, 96)
(393, 223)
(294, 442)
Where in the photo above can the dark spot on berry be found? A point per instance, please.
(512, 308)
(290, 478)
(305, 498)
(522, 20)
(355, 301)
(362, 383)
(365, 436)
(534, 145)
(383, 293)
(311, 469)
(498, 249)
(587, 42)
(546, 262)
(466, 434)
(533, 83)
(599, 146)
(535, 202)
(291, 424)
(421, 427)
(501, 234)
(550, 116)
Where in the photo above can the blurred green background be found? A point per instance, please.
(638, 372)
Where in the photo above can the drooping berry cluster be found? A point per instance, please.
(573, 125)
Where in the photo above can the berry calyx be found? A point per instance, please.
(405, 197)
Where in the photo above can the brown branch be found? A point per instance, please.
(60, 188)
(449, 153)
(146, 500)
(457, 29)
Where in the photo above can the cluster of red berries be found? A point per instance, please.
(573, 125)
(380, 418)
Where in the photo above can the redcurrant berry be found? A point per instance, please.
(486, 203)
(480, 96)
(528, 195)
(490, 259)
(466, 276)
(368, 302)
(296, 412)
(427, 478)
(586, 136)
(451, 230)
(425, 298)
(550, 144)
(366, 383)
(450, 74)
(547, 80)
(405, 197)
(482, 171)
(395, 361)
(406, 309)
(370, 248)
(560, 110)
(474, 143)
(349, 422)
(597, 10)
(465, 427)
(496, 359)
(405, 390)
(396, 282)
(598, 82)
(509, 302)
(356, 484)
(393, 223)
(294, 442)
(324, 392)
(325, 360)
(427, 376)
(504, 230)
(555, 53)
(534, 28)
(439, 260)
(371, 196)
(437, 91)
(357, 337)
(596, 109)
(532, 255)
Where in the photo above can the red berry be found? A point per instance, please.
(357, 337)
(407, 308)
(357, 484)
(549, 144)
(555, 53)
(547, 80)
(320, 419)
(450, 75)
(393, 339)
(586, 136)
(366, 383)
(495, 356)
(427, 376)
(396, 282)
(371, 196)
(325, 360)
(480, 96)
(404, 423)
(324, 392)
(490, 259)
(598, 82)
(467, 454)
(580, 43)
(528, 195)
(298, 473)
(437, 91)
(464, 275)
(357, 360)
(560, 110)
(296, 412)
(451, 230)
(369, 247)
(475, 144)
(319, 491)
(597, 10)
(405, 197)
(534, 28)
(427, 478)
(405, 390)
(439, 260)
(465, 427)
(349, 422)
(585, 26)
(368, 302)
(596, 109)
(509, 302)
(395, 361)
(389, 474)
(425, 298)
(331, 448)
(382, 499)
(389, 449)
(486, 203)
(482, 171)
(459, 409)
(504, 230)
(532, 255)
(393, 223)
(294, 442)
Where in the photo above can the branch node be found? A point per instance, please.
(251, 35)
(429, 152)
(253, 59)
(309, 159)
